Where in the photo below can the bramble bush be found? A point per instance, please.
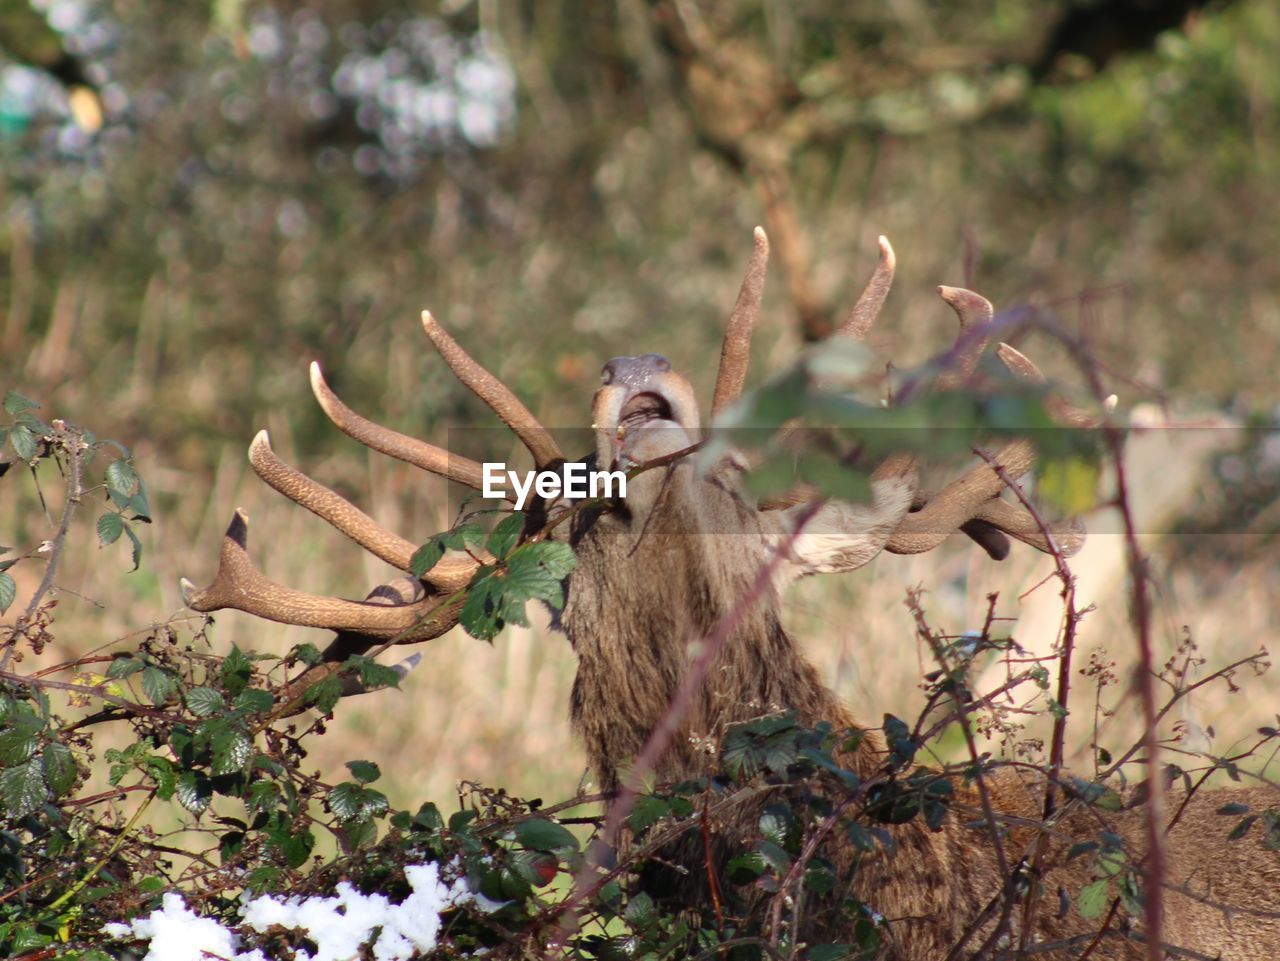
(201, 739)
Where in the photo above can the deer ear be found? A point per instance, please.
(842, 536)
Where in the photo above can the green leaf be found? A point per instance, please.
(1092, 899)
(902, 747)
(22, 788)
(325, 694)
(122, 479)
(506, 535)
(426, 557)
(204, 701)
(8, 591)
(23, 441)
(194, 792)
(543, 835)
(536, 867)
(137, 547)
(110, 527)
(366, 772)
(372, 674)
(537, 572)
(157, 685)
(18, 744)
(59, 768)
(307, 654)
(253, 700)
(745, 868)
(647, 811)
(15, 403)
(232, 751)
(165, 776)
(459, 820)
(297, 848)
(352, 802)
(124, 666)
(236, 669)
(262, 796)
(428, 818)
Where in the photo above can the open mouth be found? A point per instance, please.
(644, 408)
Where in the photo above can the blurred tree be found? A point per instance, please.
(273, 179)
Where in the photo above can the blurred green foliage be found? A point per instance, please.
(260, 192)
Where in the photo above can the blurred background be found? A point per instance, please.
(198, 198)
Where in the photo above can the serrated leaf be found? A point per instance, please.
(18, 744)
(307, 654)
(253, 700)
(372, 674)
(137, 547)
(325, 694)
(15, 403)
(122, 667)
(428, 818)
(163, 773)
(352, 802)
(745, 868)
(1092, 899)
(235, 671)
(204, 701)
(22, 788)
(426, 557)
(536, 867)
(297, 848)
(459, 820)
(506, 535)
(59, 768)
(232, 751)
(194, 792)
(23, 441)
(110, 527)
(647, 811)
(544, 835)
(122, 478)
(366, 772)
(157, 685)
(902, 747)
(8, 591)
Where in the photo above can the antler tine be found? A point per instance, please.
(964, 499)
(451, 573)
(974, 313)
(1022, 367)
(735, 350)
(240, 586)
(419, 453)
(494, 393)
(867, 310)
(1068, 535)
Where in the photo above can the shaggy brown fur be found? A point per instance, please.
(661, 571)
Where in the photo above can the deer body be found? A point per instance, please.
(662, 571)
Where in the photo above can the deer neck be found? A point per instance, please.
(645, 591)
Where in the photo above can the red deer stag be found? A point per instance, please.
(662, 568)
